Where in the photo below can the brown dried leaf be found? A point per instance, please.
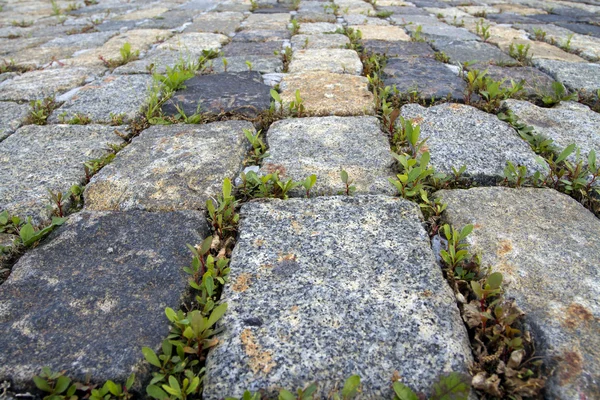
(471, 314)
(489, 385)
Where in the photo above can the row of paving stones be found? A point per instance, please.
(407, 314)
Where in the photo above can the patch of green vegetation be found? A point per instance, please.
(294, 27)
(558, 94)
(349, 189)
(491, 92)
(27, 233)
(77, 119)
(483, 30)
(539, 34)
(441, 57)
(22, 23)
(416, 35)
(520, 52)
(384, 14)
(126, 56)
(40, 110)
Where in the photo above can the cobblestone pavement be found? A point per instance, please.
(120, 120)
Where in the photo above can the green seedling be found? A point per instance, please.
(40, 110)
(112, 390)
(266, 186)
(349, 189)
(452, 386)
(539, 34)
(520, 52)
(294, 27)
(221, 212)
(558, 94)
(55, 384)
(296, 106)
(126, 56)
(413, 176)
(259, 148)
(483, 30)
(22, 23)
(308, 183)
(441, 57)
(55, 8)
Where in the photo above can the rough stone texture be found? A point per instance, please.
(239, 92)
(327, 287)
(251, 48)
(142, 14)
(540, 240)
(319, 41)
(538, 50)
(37, 158)
(399, 49)
(194, 43)
(261, 35)
(436, 32)
(535, 83)
(159, 60)
(328, 60)
(140, 40)
(429, 77)
(12, 116)
(566, 123)
(170, 168)
(81, 41)
(462, 135)
(311, 16)
(262, 64)
(461, 52)
(275, 21)
(324, 93)
(225, 22)
(114, 95)
(357, 19)
(582, 77)
(324, 146)
(93, 294)
(388, 33)
(36, 85)
(312, 28)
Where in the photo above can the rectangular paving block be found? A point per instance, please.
(88, 299)
(547, 246)
(123, 95)
(168, 168)
(580, 77)
(339, 61)
(325, 93)
(460, 135)
(36, 159)
(327, 287)
(324, 146)
(12, 116)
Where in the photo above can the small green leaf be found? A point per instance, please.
(156, 392)
(150, 356)
(351, 386)
(131, 380)
(42, 384)
(216, 314)
(494, 280)
(285, 395)
(62, 384)
(403, 392)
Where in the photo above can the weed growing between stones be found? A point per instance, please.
(126, 56)
(41, 110)
(483, 30)
(591, 100)
(539, 34)
(349, 189)
(10, 66)
(490, 91)
(520, 52)
(294, 27)
(566, 170)
(259, 148)
(77, 119)
(441, 57)
(22, 23)
(558, 94)
(416, 35)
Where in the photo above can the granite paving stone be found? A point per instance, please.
(459, 135)
(252, 48)
(399, 48)
(359, 19)
(173, 19)
(66, 303)
(319, 41)
(461, 52)
(194, 42)
(123, 95)
(340, 61)
(316, 290)
(36, 159)
(261, 35)
(387, 33)
(12, 116)
(418, 19)
(324, 93)
(581, 77)
(539, 239)
(538, 50)
(170, 168)
(566, 123)
(430, 78)
(312, 28)
(232, 92)
(224, 22)
(262, 64)
(536, 84)
(311, 16)
(324, 146)
(275, 22)
(40, 84)
(435, 32)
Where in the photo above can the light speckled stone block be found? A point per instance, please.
(313, 28)
(36, 85)
(12, 116)
(566, 123)
(547, 246)
(37, 158)
(52, 315)
(114, 95)
(387, 33)
(327, 287)
(329, 94)
(169, 168)
(319, 41)
(324, 146)
(463, 135)
(277, 21)
(582, 77)
(339, 61)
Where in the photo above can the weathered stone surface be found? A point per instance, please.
(538, 50)
(140, 40)
(301, 307)
(261, 35)
(312, 28)
(463, 135)
(582, 77)
(277, 21)
(566, 123)
(36, 85)
(324, 93)
(194, 43)
(388, 33)
(519, 9)
(262, 64)
(52, 315)
(142, 14)
(12, 116)
(312, 16)
(235, 92)
(584, 29)
(535, 83)
(324, 146)
(430, 78)
(225, 22)
(585, 46)
(319, 41)
(123, 95)
(412, 19)
(435, 32)
(251, 48)
(399, 49)
(170, 168)
(359, 19)
(37, 158)
(174, 20)
(547, 247)
(461, 52)
(80, 41)
(340, 61)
